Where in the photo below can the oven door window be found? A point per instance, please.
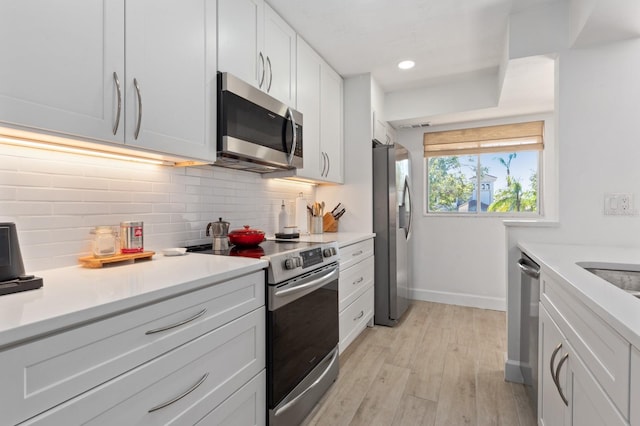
(301, 334)
(247, 121)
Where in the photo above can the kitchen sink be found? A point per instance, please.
(626, 277)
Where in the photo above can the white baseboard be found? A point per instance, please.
(471, 300)
(512, 371)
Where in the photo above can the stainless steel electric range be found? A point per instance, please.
(302, 323)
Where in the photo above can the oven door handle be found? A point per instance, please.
(318, 282)
(319, 380)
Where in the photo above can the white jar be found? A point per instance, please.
(104, 241)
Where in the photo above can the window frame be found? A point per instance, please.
(479, 213)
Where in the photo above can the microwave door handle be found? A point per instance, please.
(294, 141)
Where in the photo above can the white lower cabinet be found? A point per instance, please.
(571, 390)
(355, 290)
(172, 362)
(634, 417)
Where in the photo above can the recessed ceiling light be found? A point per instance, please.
(405, 65)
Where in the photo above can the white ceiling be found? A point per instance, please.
(448, 40)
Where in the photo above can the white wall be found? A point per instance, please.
(461, 259)
(55, 199)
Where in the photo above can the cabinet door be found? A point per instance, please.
(308, 97)
(240, 40)
(171, 84)
(58, 63)
(589, 404)
(551, 408)
(280, 51)
(634, 417)
(331, 121)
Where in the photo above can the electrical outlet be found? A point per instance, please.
(620, 204)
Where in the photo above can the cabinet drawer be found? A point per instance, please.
(45, 372)
(600, 346)
(354, 281)
(355, 317)
(246, 407)
(354, 253)
(196, 376)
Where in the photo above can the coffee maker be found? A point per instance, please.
(12, 276)
(220, 230)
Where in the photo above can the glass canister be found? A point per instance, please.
(131, 237)
(104, 241)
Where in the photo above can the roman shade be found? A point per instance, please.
(480, 140)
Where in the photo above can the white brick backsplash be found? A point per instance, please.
(56, 199)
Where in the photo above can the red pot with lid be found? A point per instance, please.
(246, 237)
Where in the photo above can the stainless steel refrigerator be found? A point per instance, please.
(392, 211)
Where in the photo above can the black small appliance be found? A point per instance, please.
(12, 276)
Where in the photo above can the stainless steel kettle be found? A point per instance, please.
(220, 231)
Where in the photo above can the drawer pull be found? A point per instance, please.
(557, 379)
(358, 281)
(359, 316)
(182, 395)
(178, 324)
(357, 253)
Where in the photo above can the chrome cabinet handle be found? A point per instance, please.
(552, 361)
(117, 123)
(294, 142)
(178, 324)
(357, 253)
(261, 56)
(270, 74)
(328, 164)
(182, 395)
(557, 379)
(324, 164)
(358, 281)
(139, 120)
(359, 316)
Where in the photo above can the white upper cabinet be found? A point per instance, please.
(258, 46)
(331, 133)
(64, 72)
(170, 82)
(240, 41)
(319, 95)
(280, 57)
(58, 65)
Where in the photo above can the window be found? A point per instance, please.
(486, 170)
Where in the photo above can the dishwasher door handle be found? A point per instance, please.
(531, 271)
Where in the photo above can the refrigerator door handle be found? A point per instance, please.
(407, 190)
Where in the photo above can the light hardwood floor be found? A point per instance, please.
(442, 365)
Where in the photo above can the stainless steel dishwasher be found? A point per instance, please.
(529, 315)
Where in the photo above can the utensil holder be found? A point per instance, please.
(316, 225)
(329, 224)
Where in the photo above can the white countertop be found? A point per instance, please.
(342, 238)
(76, 294)
(619, 309)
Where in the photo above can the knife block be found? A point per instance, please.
(329, 224)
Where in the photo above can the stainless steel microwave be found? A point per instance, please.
(256, 132)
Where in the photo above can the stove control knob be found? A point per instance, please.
(328, 252)
(292, 263)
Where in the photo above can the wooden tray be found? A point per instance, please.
(99, 262)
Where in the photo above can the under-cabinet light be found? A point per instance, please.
(81, 151)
